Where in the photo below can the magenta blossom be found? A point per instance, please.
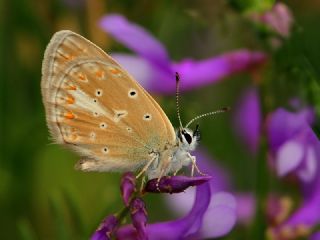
(127, 186)
(295, 150)
(293, 144)
(154, 69)
(139, 218)
(174, 184)
(193, 225)
(238, 207)
(105, 229)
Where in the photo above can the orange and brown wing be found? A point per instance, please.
(96, 108)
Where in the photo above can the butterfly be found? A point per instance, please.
(95, 107)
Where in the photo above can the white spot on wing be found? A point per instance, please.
(103, 125)
(132, 93)
(118, 114)
(105, 150)
(147, 117)
(98, 92)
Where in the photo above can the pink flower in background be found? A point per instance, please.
(154, 69)
(278, 20)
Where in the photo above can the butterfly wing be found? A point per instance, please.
(96, 108)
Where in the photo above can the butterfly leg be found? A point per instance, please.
(146, 166)
(143, 180)
(194, 166)
(163, 171)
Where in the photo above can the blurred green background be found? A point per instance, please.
(41, 195)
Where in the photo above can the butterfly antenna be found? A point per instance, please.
(222, 110)
(177, 97)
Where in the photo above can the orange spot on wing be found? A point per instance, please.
(66, 57)
(69, 115)
(70, 99)
(67, 86)
(100, 74)
(114, 71)
(82, 76)
(72, 87)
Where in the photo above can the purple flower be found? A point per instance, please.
(295, 150)
(106, 228)
(293, 144)
(153, 68)
(127, 186)
(223, 210)
(174, 184)
(182, 228)
(247, 120)
(315, 236)
(139, 217)
(246, 207)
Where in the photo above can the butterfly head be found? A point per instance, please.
(188, 139)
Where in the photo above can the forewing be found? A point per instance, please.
(96, 108)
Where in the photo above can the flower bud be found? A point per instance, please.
(105, 229)
(127, 187)
(139, 217)
(174, 184)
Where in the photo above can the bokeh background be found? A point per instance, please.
(43, 197)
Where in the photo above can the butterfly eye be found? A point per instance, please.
(188, 137)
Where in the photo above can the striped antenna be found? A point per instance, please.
(177, 98)
(225, 109)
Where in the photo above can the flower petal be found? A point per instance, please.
(127, 186)
(288, 157)
(176, 229)
(283, 125)
(246, 207)
(105, 229)
(174, 184)
(136, 38)
(307, 174)
(142, 70)
(315, 236)
(247, 120)
(139, 217)
(220, 217)
(200, 73)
